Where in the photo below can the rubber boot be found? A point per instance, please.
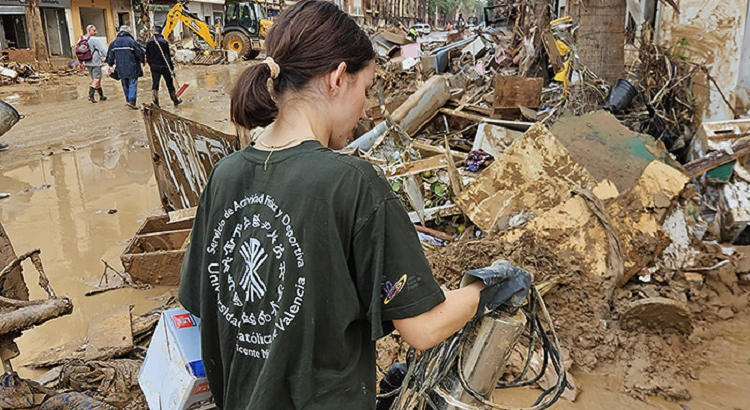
(92, 90)
(102, 97)
(175, 99)
(156, 97)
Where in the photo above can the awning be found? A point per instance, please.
(5, 10)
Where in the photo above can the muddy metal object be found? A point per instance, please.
(416, 111)
(483, 363)
(8, 117)
(155, 253)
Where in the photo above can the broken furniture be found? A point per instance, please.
(183, 153)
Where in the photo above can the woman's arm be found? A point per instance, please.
(434, 326)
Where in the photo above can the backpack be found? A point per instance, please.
(83, 51)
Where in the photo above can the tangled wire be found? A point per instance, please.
(428, 370)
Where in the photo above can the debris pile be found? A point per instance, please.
(630, 214)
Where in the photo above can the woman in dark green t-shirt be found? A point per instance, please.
(301, 257)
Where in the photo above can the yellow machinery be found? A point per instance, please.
(245, 26)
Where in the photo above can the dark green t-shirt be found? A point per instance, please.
(295, 271)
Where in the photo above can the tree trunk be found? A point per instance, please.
(36, 34)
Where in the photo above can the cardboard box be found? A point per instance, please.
(172, 375)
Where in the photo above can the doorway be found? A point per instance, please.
(95, 16)
(123, 19)
(56, 31)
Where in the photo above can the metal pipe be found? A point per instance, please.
(484, 362)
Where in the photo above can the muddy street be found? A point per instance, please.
(551, 208)
(81, 182)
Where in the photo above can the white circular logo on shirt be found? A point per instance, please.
(255, 267)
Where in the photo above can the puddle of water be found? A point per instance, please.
(70, 224)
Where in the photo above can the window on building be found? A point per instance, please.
(14, 31)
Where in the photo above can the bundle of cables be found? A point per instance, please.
(428, 370)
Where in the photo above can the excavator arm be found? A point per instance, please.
(189, 20)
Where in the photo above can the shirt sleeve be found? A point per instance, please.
(392, 275)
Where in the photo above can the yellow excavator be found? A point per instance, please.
(245, 26)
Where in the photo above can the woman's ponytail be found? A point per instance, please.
(308, 39)
(252, 104)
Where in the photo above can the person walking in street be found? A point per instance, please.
(301, 257)
(160, 61)
(91, 53)
(126, 56)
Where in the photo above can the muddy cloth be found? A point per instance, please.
(295, 270)
(18, 393)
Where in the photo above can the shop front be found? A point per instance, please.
(93, 12)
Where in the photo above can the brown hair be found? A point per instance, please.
(309, 39)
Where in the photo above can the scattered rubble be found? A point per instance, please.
(632, 216)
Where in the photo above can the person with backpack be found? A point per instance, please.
(90, 53)
(126, 56)
(160, 61)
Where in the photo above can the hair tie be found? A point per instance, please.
(275, 70)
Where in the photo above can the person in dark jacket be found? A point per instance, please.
(160, 61)
(126, 55)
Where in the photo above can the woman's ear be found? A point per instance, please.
(336, 79)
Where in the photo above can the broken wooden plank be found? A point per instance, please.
(456, 185)
(109, 334)
(717, 158)
(513, 91)
(638, 215)
(425, 147)
(34, 314)
(182, 215)
(433, 232)
(417, 167)
(531, 177)
(494, 139)
(516, 125)
(438, 211)
(555, 59)
(608, 149)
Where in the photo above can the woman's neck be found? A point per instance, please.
(296, 122)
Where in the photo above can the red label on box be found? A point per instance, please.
(183, 320)
(201, 388)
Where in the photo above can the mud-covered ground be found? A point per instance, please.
(80, 182)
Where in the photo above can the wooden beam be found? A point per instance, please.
(516, 125)
(716, 159)
(425, 147)
(182, 215)
(433, 232)
(30, 316)
(417, 167)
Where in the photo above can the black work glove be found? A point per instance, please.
(504, 284)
